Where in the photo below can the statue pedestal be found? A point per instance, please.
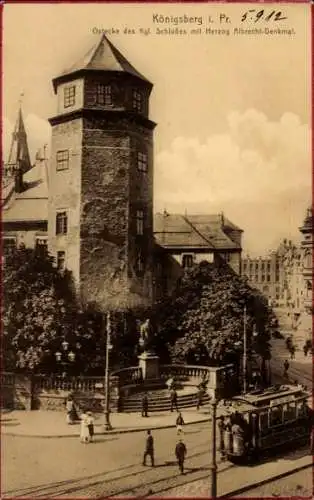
(149, 363)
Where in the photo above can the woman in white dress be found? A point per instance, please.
(84, 435)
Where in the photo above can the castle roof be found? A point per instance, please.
(103, 56)
(32, 203)
(212, 231)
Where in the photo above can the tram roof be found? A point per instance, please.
(276, 394)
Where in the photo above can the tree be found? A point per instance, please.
(40, 310)
(203, 322)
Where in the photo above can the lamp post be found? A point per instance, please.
(108, 425)
(213, 461)
(244, 352)
(70, 355)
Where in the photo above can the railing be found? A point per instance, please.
(128, 376)
(189, 371)
(55, 383)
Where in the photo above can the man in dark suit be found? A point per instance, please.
(149, 449)
(174, 400)
(145, 405)
(180, 453)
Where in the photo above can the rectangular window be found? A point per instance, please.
(61, 260)
(41, 245)
(104, 94)
(69, 96)
(268, 277)
(61, 223)
(137, 100)
(63, 159)
(139, 222)
(142, 163)
(187, 260)
(263, 277)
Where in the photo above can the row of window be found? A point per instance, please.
(63, 161)
(263, 266)
(104, 97)
(62, 222)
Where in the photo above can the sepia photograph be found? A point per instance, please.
(157, 250)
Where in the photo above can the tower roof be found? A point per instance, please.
(19, 153)
(103, 56)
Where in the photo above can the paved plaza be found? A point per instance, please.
(112, 465)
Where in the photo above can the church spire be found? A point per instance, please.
(19, 153)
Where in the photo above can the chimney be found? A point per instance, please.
(18, 178)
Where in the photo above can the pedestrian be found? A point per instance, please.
(221, 427)
(200, 396)
(69, 405)
(90, 425)
(286, 368)
(180, 453)
(292, 352)
(305, 350)
(149, 449)
(173, 400)
(84, 434)
(179, 423)
(145, 405)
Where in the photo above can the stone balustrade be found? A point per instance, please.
(128, 376)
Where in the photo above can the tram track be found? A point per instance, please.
(268, 481)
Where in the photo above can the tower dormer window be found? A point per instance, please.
(104, 94)
(69, 96)
(142, 163)
(137, 100)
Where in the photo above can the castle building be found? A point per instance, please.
(24, 195)
(100, 207)
(91, 205)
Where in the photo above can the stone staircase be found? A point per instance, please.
(159, 400)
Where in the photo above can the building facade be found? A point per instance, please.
(183, 241)
(266, 274)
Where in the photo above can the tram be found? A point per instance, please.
(263, 421)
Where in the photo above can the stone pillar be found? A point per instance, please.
(149, 363)
(23, 392)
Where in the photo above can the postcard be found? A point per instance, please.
(157, 250)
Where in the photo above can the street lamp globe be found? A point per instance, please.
(65, 345)
(71, 356)
(58, 356)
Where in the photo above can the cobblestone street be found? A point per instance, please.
(111, 465)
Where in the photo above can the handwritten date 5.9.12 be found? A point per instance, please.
(260, 15)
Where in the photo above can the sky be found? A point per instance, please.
(232, 111)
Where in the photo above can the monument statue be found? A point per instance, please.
(146, 334)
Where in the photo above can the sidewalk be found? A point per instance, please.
(52, 424)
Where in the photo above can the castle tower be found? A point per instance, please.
(100, 215)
